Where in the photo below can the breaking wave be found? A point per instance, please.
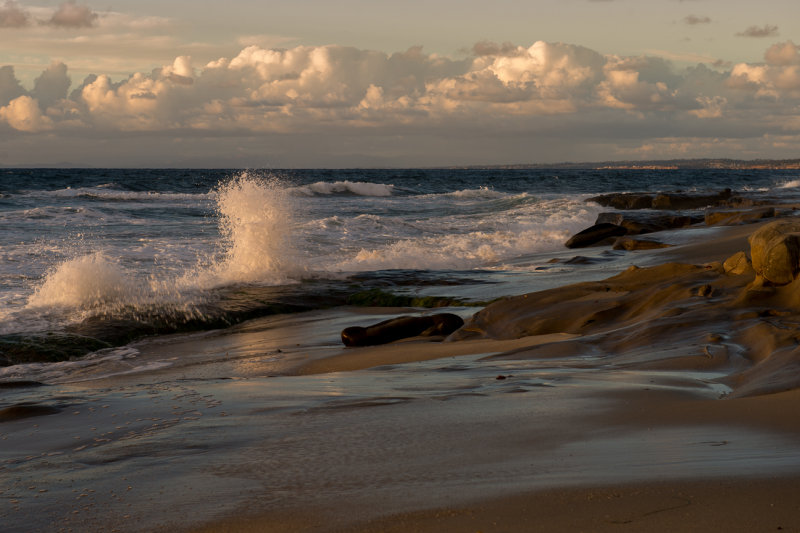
(355, 188)
(254, 246)
(83, 282)
(790, 184)
(256, 226)
(102, 193)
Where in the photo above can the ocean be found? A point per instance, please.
(93, 259)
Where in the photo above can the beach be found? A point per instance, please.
(594, 389)
(640, 423)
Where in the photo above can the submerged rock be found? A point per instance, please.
(626, 243)
(20, 384)
(401, 328)
(26, 410)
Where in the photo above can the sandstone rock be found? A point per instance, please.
(595, 235)
(730, 218)
(775, 251)
(737, 264)
(705, 290)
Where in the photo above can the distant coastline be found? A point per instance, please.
(654, 164)
(658, 164)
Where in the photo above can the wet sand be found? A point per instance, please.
(664, 398)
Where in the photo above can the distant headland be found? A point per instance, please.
(660, 164)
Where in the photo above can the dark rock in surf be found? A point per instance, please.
(667, 201)
(596, 234)
(401, 328)
(639, 223)
(625, 201)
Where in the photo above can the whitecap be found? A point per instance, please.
(355, 188)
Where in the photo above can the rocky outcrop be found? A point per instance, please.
(775, 251)
(401, 328)
(639, 223)
(669, 201)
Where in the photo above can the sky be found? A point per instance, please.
(357, 83)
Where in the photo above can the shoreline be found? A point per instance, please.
(643, 392)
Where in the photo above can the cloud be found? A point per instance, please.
(23, 114)
(10, 87)
(71, 15)
(488, 48)
(711, 106)
(548, 92)
(783, 54)
(693, 20)
(13, 16)
(767, 30)
(52, 85)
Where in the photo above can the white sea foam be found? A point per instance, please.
(355, 188)
(104, 193)
(790, 184)
(84, 282)
(256, 227)
(473, 243)
(482, 193)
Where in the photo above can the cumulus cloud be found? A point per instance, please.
(52, 85)
(72, 15)
(767, 30)
(694, 20)
(10, 87)
(551, 89)
(23, 114)
(782, 54)
(13, 16)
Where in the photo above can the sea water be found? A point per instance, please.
(185, 247)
